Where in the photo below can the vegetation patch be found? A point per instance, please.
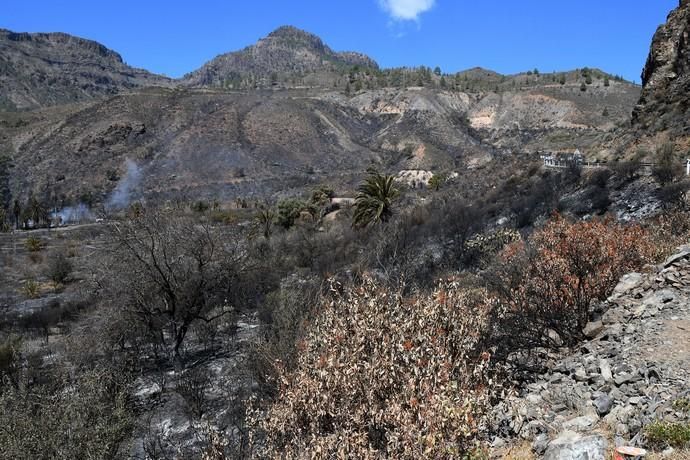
(663, 434)
(380, 374)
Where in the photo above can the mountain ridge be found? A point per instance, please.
(78, 69)
(43, 69)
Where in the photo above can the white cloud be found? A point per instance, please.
(406, 10)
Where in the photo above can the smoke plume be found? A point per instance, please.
(121, 196)
(73, 215)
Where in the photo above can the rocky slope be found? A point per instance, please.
(42, 69)
(631, 371)
(286, 53)
(225, 144)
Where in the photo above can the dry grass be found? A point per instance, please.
(521, 451)
(677, 455)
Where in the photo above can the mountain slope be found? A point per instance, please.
(285, 53)
(224, 144)
(197, 139)
(43, 69)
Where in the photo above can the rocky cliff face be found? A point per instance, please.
(287, 52)
(664, 102)
(44, 69)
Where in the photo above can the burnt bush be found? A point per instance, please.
(544, 288)
(599, 178)
(673, 194)
(166, 273)
(53, 314)
(59, 267)
(192, 387)
(389, 371)
(626, 171)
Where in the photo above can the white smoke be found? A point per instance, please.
(121, 196)
(72, 215)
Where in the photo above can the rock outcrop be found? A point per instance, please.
(663, 103)
(631, 372)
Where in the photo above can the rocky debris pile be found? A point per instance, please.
(633, 369)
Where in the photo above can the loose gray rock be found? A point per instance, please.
(603, 404)
(581, 424)
(593, 328)
(624, 376)
(605, 369)
(627, 283)
(574, 446)
(540, 444)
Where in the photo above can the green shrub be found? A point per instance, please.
(436, 181)
(200, 206)
(322, 195)
(662, 434)
(87, 416)
(682, 404)
(33, 244)
(31, 289)
(221, 216)
(290, 209)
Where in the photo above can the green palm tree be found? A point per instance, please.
(36, 212)
(265, 220)
(374, 201)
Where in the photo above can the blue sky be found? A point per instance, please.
(174, 37)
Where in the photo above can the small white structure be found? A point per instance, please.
(563, 160)
(687, 167)
(577, 157)
(549, 160)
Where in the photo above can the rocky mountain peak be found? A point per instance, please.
(286, 53)
(298, 38)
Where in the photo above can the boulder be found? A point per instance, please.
(627, 283)
(540, 444)
(593, 328)
(684, 253)
(574, 446)
(603, 403)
